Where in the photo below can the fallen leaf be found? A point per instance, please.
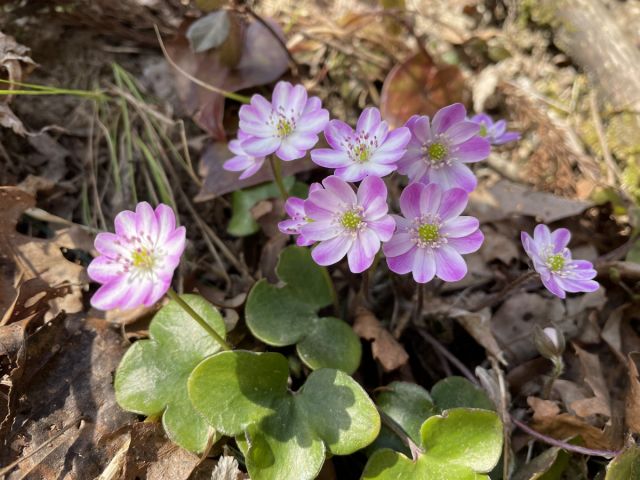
(418, 86)
(209, 31)
(8, 119)
(632, 401)
(600, 403)
(26, 257)
(385, 348)
(497, 246)
(227, 469)
(478, 325)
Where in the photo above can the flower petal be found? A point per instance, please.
(421, 129)
(332, 251)
(450, 266)
(370, 190)
(448, 116)
(111, 295)
(574, 285)
(103, 269)
(338, 134)
(342, 190)
(462, 131)
(320, 231)
(363, 251)
(125, 224)
(313, 121)
(400, 243)
(158, 289)
(329, 158)
(383, 227)
(551, 284)
(238, 163)
(253, 169)
(369, 121)
(542, 235)
(560, 239)
(111, 245)
(410, 200)
(430, 199)
(424, 265)
(137, 294)
(288, 151)
(261, 146)
(460, 226)
(469, 244)
(176, 242)
(455, 175)
(453, 203)
(403, 263)
(166, 222)
(473, 150)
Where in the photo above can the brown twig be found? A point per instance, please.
(564, 445)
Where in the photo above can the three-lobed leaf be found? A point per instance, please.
(287, 315)
(152, 376)
(284, 435)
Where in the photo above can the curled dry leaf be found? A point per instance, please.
(632, 402)
(228, 469)
(386, 349)
(418, 86)
(600, 403)
(24, 257)
(15, 60)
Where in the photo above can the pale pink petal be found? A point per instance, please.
(352, 173)
(461, 132)
(383, 227)
(459, 226)
(238, 163)
(158, 289)
(371, 189)
(574, 285)
(176, 242)
(400, 243)
(166, 222)
(313, 103)
(320, 231)
(455, 175)
(321, 205)
(363, 251)
(551, 284)
(338, 134)
(410, 200)
(111, 245)
(421, 130)
(261, 146)
(368, 121)
(341, 189)
(103, 269)
(332, 251)
(253, 169)
(125, 224)
(450, 266)
(424, 265)
(473, 150)
(281, 94)
(137, 294)
(396, 141)
(314, 121)
(328, 158)
(111, 294)
(403, 263)
(453, 203)
(448, 116)
(288, 151)
(430, 199)
(542, 235)
(560, 239)
(469, 244)
(294, 207)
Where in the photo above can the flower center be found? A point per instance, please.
(428, 232)
(556, 262)
(141, 258)
(351, 220)
(361, 153)
(483, 130)
(285, 127)
(437, 151)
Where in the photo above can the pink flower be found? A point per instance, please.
(346, 223)
(552, 260)
(431, 235)
(294, 207)
(287, 126)
(441, 147)
(136, 264)
(369, 150)
(242, 162)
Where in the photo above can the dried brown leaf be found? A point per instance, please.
(600, 404)
(632, 401)
(385, 348)
(478, 325)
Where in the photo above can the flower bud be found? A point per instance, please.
(549, 341)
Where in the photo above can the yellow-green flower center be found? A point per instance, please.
(483, 130)
(351, 220)
(142, 259)
(361, 153)
(285, 128)
(437, 151)
(428, 232)
(556, 262)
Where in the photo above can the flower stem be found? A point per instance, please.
(201, 321)
(415, 450)
(558, 368)
(494, 299)
(276, 167)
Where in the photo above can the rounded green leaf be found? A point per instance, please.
(276, 316)
(309, 281)
(464, 436)
(152, 376)
(236, 388)
(458, 392)
(339, 411)
(625, 466)
(408, 405)
(331, 344)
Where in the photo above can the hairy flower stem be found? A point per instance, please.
(494, 299)
(558, 368)
(415, 450)
(201, 321)
(276, 168)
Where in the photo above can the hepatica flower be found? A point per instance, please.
(431, 236)
(552, 260)
(496, 132)
(288, 125)
(441, 147)
(346, 223)
(136, 263)
(242, 162)
(369, 150)
(294, 207)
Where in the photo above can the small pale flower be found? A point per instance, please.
(369, 150)
(136, 263)
(294, 207)
(288, 125)
(431, 236)
(346, 223)
(552, 260)
(242, 162)
(440, 148)
(496, 132)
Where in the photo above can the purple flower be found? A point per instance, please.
(370, 150)
(242, 162)
(439, 149)
(136, 264)
(294, 207)
(552, 260)
(288, 126)
(496, 133)
(431, 234)
(348, 224)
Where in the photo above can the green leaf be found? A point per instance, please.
(242, 223)
(152, 376)
(408, 405)
(625, 466)
(461, 444)
(286, 434)
(454, 392)
(549, 465)
(287, 315)
(209, 31)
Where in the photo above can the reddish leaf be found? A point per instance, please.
(419, 86)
